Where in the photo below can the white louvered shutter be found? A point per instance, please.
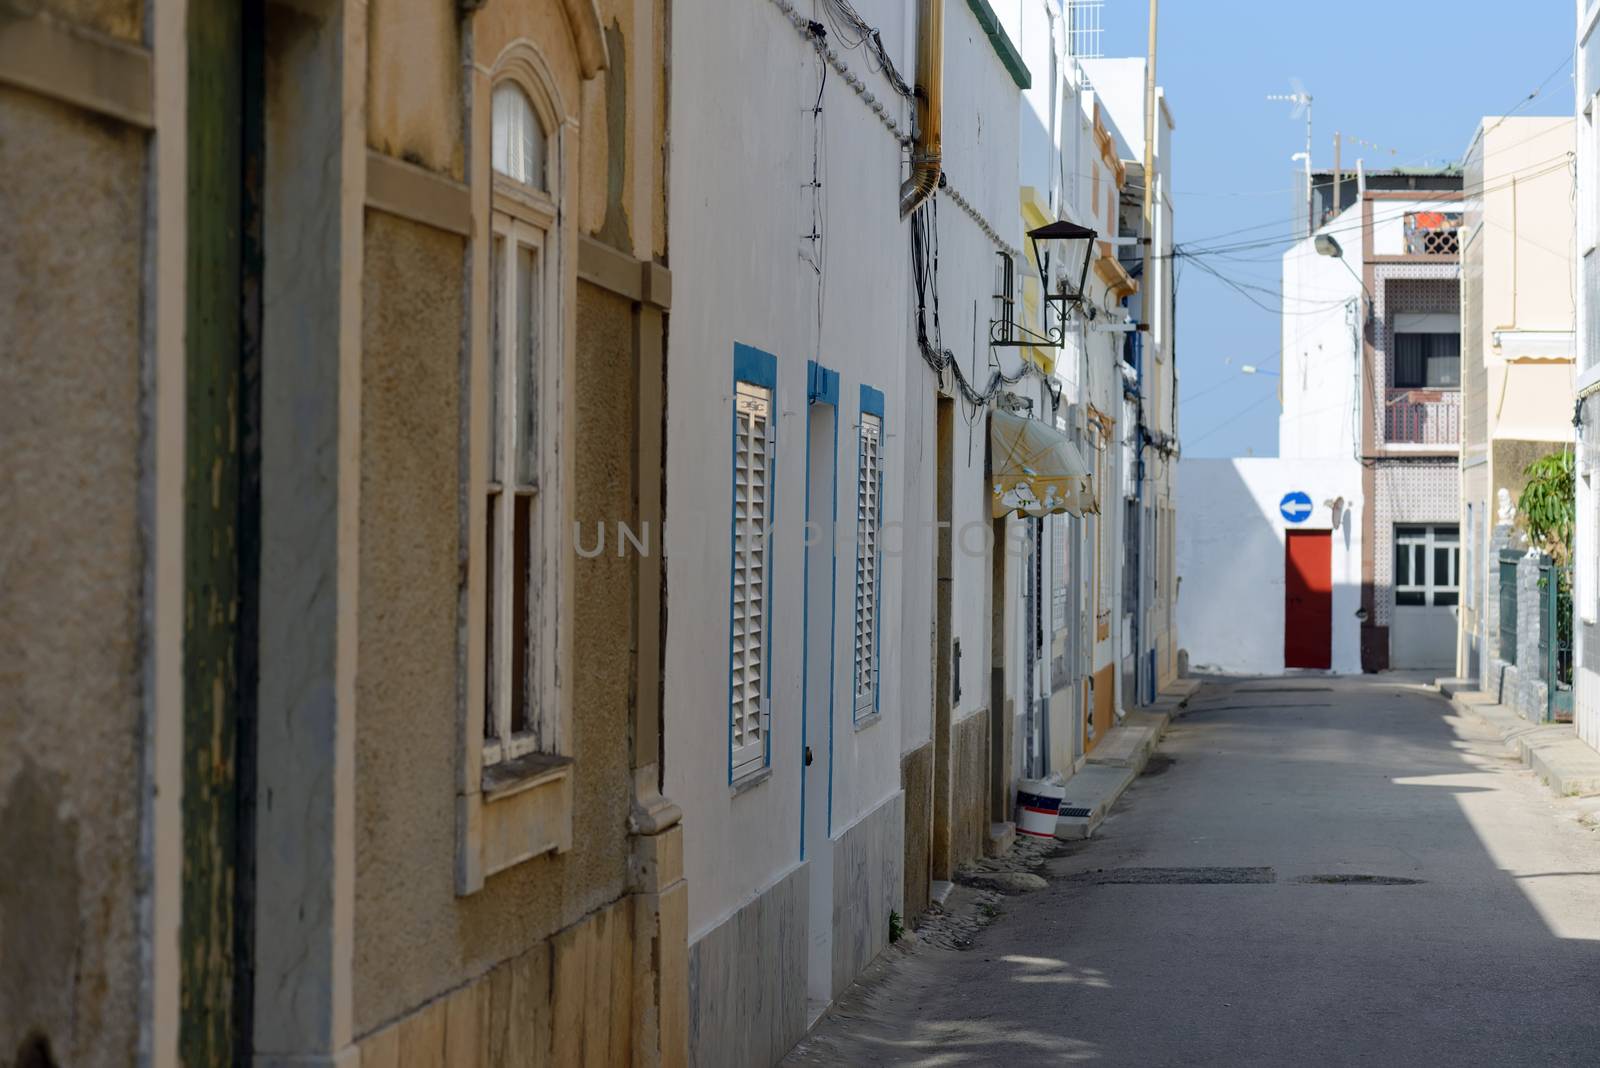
(869, 485)
(752, 477)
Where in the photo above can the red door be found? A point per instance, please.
(1308, 599)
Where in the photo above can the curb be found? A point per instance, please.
(1122, 763)
(1566, 766)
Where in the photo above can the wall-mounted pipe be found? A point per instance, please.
(927, 150)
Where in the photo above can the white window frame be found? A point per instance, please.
(523, 218)
(510, 408)
(514, 797)
(868, 587)
(1428, 539)
(750, 584)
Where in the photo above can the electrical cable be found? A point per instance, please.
(1201, 245)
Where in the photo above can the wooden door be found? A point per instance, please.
(1308, 599)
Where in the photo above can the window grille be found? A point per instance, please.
(1432, 233)
(752, 483)
(869, 488)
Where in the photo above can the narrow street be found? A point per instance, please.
(1310, 871)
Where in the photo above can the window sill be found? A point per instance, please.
(868, 720)
(510, 777)
(523, 811)
(750, 781)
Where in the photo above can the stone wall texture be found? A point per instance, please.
(867, 885)
(72, 557)
(969, 794)
(747, 980)
(916, 786)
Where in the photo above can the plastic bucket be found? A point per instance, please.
(1038, 806)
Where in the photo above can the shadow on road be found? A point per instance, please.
(1427, 904)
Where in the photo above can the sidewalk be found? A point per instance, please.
(1565, 764)
(1119, 758)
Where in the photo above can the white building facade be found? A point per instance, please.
(1586, 561)
(827, 729)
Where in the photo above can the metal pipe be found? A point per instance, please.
(927, 152)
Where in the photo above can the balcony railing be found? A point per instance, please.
(1422, 417)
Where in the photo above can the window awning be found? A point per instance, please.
(1037, 469)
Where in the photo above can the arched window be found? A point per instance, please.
(519, 141)
(523, 524)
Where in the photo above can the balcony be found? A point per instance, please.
(1422, 417)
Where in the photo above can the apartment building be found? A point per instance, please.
(1517, 367)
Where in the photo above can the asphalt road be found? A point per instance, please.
(1311, 872)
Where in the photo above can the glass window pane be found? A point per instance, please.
(490, 688)
(1410, 363)
(1445, 597)
(1402, 565)
(1408, 597)
(497, 343)
(1444, 360)
(529, 319)
(518, 141)
(1443, 572)
(521, 607)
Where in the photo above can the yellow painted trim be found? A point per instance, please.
(1108, 270)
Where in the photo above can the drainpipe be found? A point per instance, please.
(926, 153)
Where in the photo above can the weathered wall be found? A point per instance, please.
(748, 1006)
(969, 795)
(867, 886)
(567, 1000)
(414, 83)
(414, 936)
(916, 786)
(71, 568)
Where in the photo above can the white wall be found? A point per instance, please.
(1231, 559)
(1586, 567)
(1321, 346)
(741, 274)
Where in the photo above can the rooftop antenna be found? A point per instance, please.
(1339, 141)
(1302, 106)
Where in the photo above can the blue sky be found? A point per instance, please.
(1414, 77)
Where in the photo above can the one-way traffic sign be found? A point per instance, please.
(1295, 506)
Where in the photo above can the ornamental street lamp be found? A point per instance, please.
(1069, 293)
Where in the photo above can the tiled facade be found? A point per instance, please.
(1422, 491)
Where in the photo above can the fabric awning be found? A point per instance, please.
(1037, 469)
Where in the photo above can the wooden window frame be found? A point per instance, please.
(515, 801)
(511, 492)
